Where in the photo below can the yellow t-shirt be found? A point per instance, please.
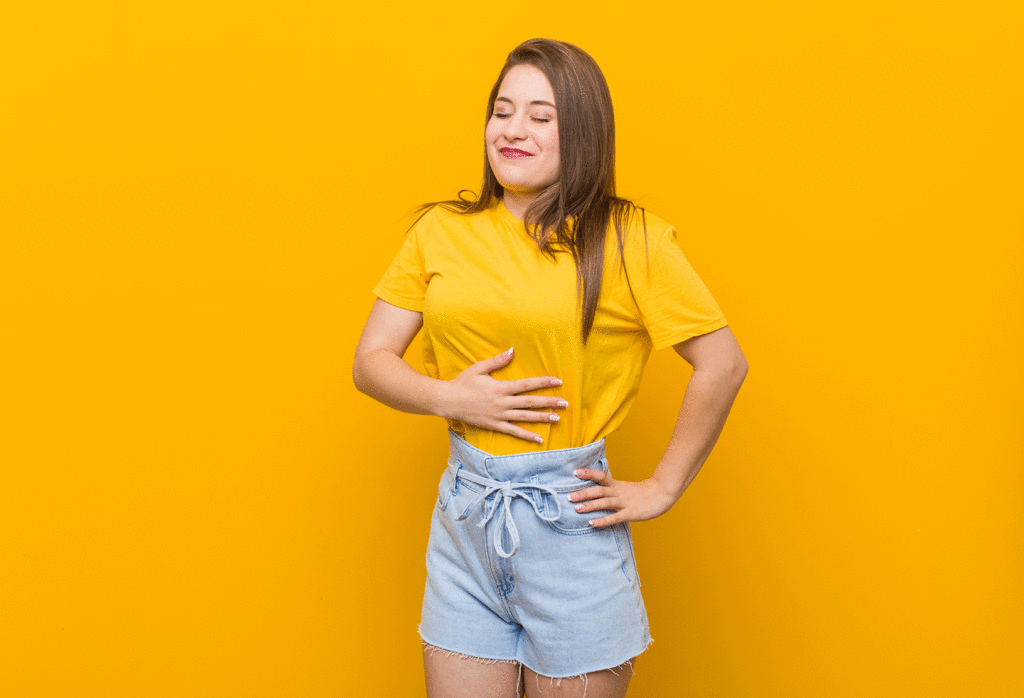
(483, 286)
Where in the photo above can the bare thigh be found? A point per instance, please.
(451, 675)
(609, 683)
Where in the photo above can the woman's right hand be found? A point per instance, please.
(475, 398)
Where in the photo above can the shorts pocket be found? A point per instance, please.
(445, 488)
(624, 539)
(572, 522)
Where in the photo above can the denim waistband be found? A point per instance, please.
(503, 478)
(553, 468)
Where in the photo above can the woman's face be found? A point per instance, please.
(522, 133)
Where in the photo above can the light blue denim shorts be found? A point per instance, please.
(515, 573)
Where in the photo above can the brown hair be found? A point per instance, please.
(585, 189)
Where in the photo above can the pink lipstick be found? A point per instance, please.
(514, 153)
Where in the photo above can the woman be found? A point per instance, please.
(537, 325)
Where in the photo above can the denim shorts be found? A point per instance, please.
(515, 573)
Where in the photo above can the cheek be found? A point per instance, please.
(552, 142)
(491, 131)
(556, 167)
(552, 147)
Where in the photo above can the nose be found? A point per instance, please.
(515, 127)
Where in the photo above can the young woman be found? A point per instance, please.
(540, 302)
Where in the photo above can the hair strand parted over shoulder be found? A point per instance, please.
(572, 213)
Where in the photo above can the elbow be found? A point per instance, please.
(739, 363)
(734, 368)
(741, 374)
(738, 368)
(358, 375)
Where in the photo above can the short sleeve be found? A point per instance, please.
(405, 282)
(674, 303)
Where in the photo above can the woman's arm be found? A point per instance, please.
(472, 397)
(719, 368)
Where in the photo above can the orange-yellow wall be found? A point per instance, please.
(198, 197)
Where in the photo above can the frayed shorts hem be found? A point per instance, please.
(427, 643)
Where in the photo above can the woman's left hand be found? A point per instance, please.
(632, 501)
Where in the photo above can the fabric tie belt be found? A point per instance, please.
(508, 491)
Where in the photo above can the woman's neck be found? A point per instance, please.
(518, 202)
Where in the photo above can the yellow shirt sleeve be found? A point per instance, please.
(674, 303)
(405, 282)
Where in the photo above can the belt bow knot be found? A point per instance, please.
(506, 491)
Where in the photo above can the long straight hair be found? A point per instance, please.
(585, 189)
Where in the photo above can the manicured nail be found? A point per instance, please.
(576, 472)
(556, 381)
(572, 497)
(538, 439)
(509, 352)
(562, 403)
(579, 507)
(553, 418)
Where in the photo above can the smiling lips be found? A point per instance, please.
(514, 154)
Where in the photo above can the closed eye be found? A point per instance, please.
(537, 119)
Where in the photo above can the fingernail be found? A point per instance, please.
(563, 403)
(572, 497)
(576, 472)
(538, 439)
(509, 352)
(556, 381)
(554, 418)
(578, 507)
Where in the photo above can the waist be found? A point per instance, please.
(552, 468)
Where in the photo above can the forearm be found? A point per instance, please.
(472, 397)
(709, 397)
(387, 378)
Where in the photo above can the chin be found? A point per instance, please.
(521, 185)
(520, 189)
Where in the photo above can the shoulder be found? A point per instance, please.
(636, 220)
(438, 216)
(432, 216)
(432, 226)
(642, 231)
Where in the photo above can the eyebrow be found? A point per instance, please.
(536, 101)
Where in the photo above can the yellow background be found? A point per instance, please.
(197, 198)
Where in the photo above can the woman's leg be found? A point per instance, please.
(451, 675)
(609, 683)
